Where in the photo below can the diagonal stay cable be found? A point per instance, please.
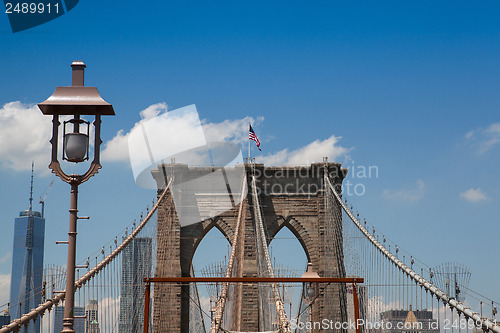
(261, 236)
(221, 303)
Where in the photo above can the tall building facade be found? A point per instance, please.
(92, 317)
(27, 266)
(78, 325)
(409, 321)
(136, 265)
(5, 318)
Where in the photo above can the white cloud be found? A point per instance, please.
(409, 195)
(205, 303)
(24, 136)
(313, 152)
(4, 288)
(116, 149)
(474, 195)
(153, 110)
(484, 138)
(234, 131)
(109, 311)
(6, 258)
(377, 304)
(231, 130)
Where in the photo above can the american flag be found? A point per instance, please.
(252, 136)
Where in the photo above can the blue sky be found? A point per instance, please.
(411, 88)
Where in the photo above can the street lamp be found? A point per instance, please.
(75, 101)
(311, 289)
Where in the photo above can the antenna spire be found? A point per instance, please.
(31, 187)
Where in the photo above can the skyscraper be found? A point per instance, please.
(92, 317)
(27, 264)
(136, 265)
(79, 324)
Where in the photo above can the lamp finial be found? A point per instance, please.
(78, 73)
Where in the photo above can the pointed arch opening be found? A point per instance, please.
(209, 259)
(290, 260)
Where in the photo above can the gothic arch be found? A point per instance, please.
(297, 230)
(192, 235)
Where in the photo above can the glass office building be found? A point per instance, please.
(136, 265)
(78, 324)
(27, 266)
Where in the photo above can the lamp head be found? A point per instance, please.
(309, 273)
(76, 99)
(310, 288)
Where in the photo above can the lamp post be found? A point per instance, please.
(76, 100)
(311, 290)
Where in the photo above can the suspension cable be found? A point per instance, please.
(221, 303)
(283, 320)
(484, 322)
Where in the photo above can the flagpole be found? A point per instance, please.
(249, 143)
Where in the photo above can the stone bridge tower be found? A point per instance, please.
(292, 197)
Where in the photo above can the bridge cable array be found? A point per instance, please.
(409, 274)
(237, 243)
(268, 270)
(395, 281)
(16, 324)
